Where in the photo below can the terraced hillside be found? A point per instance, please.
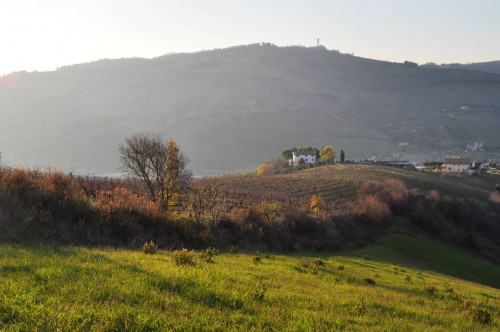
(340, 184)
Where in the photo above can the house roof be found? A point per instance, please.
(457, 161)
(304, 153)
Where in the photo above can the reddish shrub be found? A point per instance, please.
(495, 197)
(372, 208)
(55, 183)
(433, 195)
(20, 180)
(392, 192)
(121, 201)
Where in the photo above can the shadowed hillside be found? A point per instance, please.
(490, 66)
(235, 108)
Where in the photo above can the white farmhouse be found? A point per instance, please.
(308, 156)
(456, 165)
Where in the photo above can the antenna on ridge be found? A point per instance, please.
(318, 42)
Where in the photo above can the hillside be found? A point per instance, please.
(73, 288)
(489, 67)
(233, 109)
(339, 184)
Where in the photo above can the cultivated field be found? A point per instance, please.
(339, 184)
(391, 285)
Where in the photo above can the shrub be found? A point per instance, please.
(430, 289)
(259, 291)
(372, 208)
(433, 195)
(319, 262)
(149, 248)
(480, 316)
(408, 279)
(271, 211)
(370, 281)
(257, 259)
(19, 180)
(341, 267)
(448, 289)
(310, 266)
(209, 254)
(495, 197)
(476, 314)
(391, 192)
(265, 169)
(184, 257)
(121, 201)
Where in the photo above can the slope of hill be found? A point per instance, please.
(72, 288)
(339, 184)
(489, 67)
(235, 108)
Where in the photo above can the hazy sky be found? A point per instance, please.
(42, 35)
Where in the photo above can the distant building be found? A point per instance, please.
(309, 157)
(456, 165)
(475, 147)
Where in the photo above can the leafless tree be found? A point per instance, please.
(147, 156)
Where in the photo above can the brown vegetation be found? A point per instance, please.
(289, 212)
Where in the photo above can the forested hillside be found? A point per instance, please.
(232, 109)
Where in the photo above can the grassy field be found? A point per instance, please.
(398, 283)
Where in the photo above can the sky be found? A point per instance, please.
(45, 35)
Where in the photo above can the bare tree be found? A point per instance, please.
(149, 157)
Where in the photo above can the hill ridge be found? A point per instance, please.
(256, 100)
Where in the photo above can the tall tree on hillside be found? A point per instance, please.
(327, 154)
(342, 155)
(317, 205)
(177, 174)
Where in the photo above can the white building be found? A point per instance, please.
(456, 164)
(308, 156)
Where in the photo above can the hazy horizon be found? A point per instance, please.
(52, 34)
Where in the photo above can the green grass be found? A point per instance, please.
(422, 254)
(68, 288)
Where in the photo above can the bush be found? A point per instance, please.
(259, 291)
(391, 192)
(430, 289)
(448, 288)
(209, 254)
(310, 266)
(480, 316)
(372, 208)
(370, 281)
(149, 248)
(184, 257)
(495, 197)
(233, 250)
(319, 262)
